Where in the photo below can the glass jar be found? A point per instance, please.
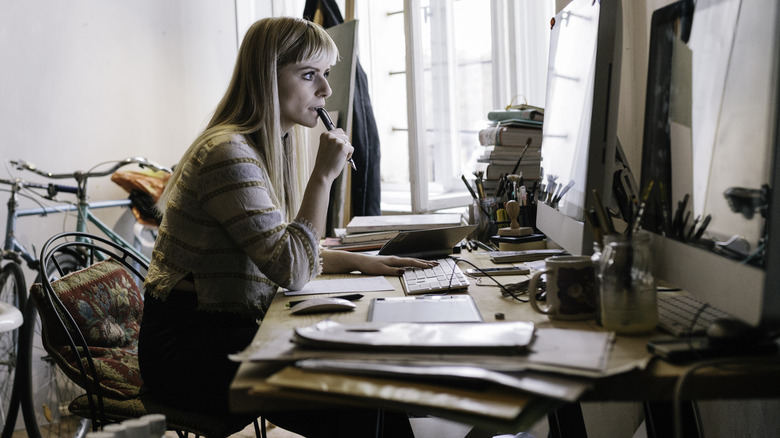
(628, 296)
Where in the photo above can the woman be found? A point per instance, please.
(239, 221)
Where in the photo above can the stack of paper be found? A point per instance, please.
(507, 389)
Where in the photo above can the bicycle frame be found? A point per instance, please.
(82, 207)
(84, 216)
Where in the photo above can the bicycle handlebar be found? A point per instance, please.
(51, 189)
(141, 161)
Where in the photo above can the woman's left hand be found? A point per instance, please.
(393, 265)
(343, 261)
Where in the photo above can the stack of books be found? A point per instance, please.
(504, 141)
(365, 233)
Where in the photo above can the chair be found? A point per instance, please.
(90, 321)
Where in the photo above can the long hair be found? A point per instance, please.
(250, 106)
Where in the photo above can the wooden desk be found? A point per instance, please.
(630, 380)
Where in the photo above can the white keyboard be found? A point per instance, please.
(447, 276)
(676, 314)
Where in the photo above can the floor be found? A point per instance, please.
(248, 432)
(423, 428)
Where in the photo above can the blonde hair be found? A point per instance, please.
(250, 106)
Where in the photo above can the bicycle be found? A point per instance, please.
(13, 289)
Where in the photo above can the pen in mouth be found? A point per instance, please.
(325, 117)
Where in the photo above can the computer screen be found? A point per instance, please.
(580, 122)
(709, 153)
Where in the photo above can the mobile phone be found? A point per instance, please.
(503, 270)
(700, 347)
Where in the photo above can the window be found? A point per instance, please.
(435, 69)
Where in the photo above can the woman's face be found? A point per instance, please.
(303, 88)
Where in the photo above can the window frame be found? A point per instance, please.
(513, 39)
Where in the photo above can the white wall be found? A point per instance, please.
(93, 80)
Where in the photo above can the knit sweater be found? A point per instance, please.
(221, 227)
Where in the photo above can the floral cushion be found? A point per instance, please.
(106, 304)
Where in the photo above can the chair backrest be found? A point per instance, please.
(90, 307)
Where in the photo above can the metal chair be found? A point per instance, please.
(89, 323)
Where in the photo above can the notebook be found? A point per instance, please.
(431, 243)
(428, 308)
(368, 224)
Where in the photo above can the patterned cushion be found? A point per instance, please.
(106, 304)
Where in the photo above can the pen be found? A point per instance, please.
(478, 181)
(350, 297)
(330, 126)
(519, 160)
(702, 227)
(474, 195)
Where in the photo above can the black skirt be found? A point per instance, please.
(183, 352)
(183, 355)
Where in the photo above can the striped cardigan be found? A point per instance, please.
(221, 226)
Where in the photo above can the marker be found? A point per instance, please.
(330, 126)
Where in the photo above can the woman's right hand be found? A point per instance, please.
(334, 151)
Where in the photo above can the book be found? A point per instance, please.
(533, 113)
(336, 243)
(510, 136)
(511, 152)
(379, 236)
(519, 243)
(402, 222)
(530, 170)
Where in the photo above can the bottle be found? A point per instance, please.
(628, 296)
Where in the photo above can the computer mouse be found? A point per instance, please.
(322, 305)
(729, 330)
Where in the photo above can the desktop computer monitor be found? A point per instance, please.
(580, 121)
(709, 154)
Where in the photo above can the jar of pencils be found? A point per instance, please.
(486, 214)
(628, 297)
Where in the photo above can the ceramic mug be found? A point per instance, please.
(572, 290)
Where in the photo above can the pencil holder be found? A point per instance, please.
(482, 213)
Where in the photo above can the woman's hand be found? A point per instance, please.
(392, 265)
(339, 262)
(333, 153)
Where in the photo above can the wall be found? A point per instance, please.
(88, 81)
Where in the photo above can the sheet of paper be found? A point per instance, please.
(343, 285)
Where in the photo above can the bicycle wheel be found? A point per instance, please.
(46, 411)
(13, 290)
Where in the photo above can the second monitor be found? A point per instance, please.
(580, 142)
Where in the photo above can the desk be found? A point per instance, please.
(633, 374)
